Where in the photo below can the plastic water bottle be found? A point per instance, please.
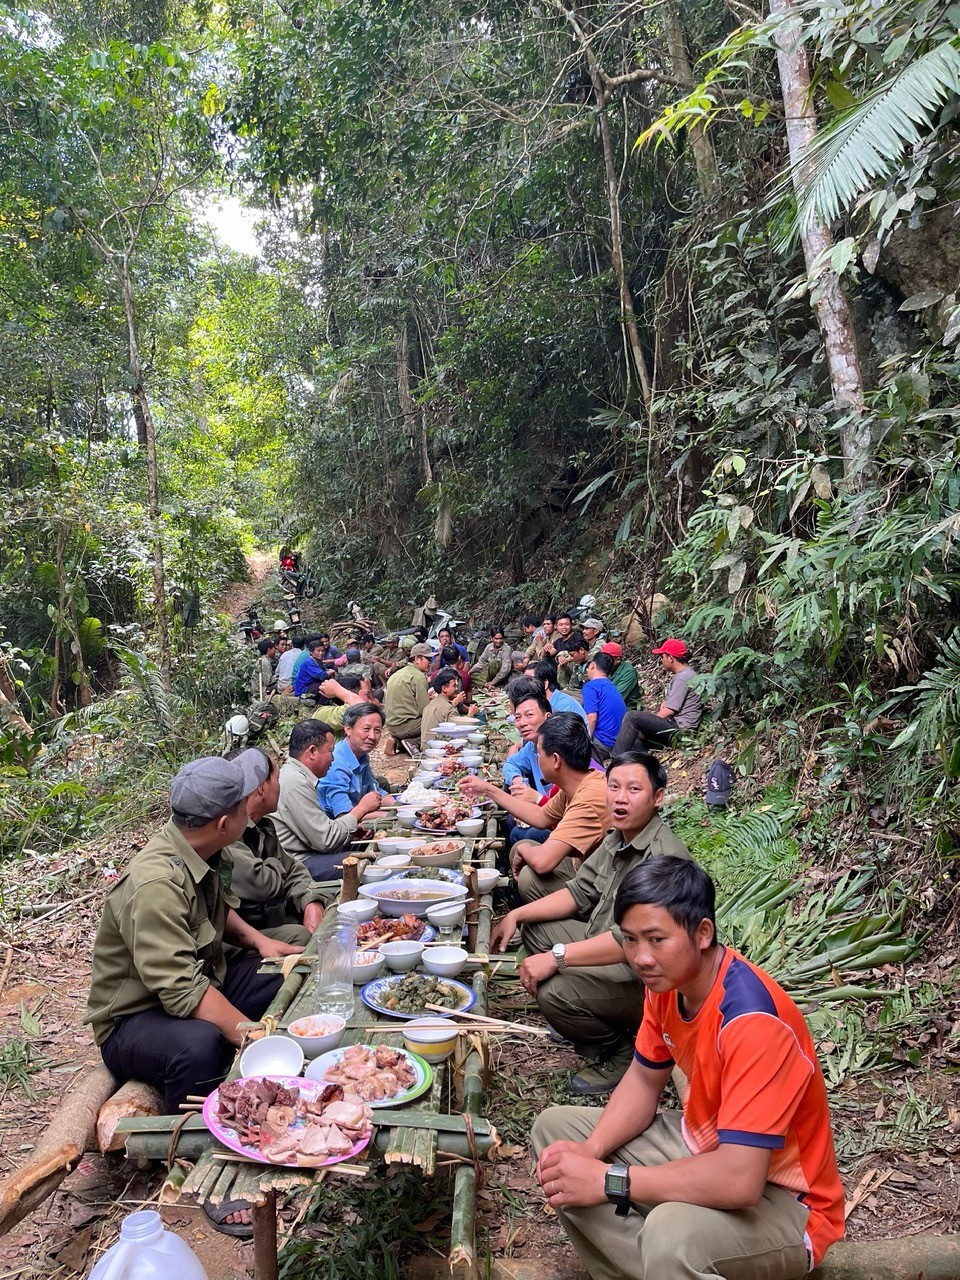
(335, 950)
(147, 1251)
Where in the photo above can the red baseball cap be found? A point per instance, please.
(675, 648)
(613, 649)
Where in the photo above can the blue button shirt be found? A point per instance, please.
(345, 782)
(524, 764)
(603, 697)
(560, 701)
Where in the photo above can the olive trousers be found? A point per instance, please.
(676, 1241)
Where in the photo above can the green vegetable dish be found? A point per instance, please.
(414, 991)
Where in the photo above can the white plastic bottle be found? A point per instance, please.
(147, 1251)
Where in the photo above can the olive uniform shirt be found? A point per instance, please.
(332, 717)
(263, 679)
(625, 678)
(406, 696)
(261, 872)
(595, 885)
(160, 940)
(438, 710)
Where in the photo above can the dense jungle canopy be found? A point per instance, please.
(631, 297)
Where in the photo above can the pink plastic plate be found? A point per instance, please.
(230, 1138)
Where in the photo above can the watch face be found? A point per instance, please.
(617, 1182)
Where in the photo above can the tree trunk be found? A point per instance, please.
(829, 301)
(704, 158)
(141, 408)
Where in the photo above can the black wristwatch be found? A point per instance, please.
(616, 1186)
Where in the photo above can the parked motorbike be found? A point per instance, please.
(302, 583)
(250, 627)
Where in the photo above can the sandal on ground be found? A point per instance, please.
(218, 1213)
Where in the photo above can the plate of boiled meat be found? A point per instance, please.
(287, 1120)
(382, 1075)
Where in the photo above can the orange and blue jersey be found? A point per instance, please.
(753, 1080)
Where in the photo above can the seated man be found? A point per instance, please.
(449, 656)
(263, 682)
(745, 1182)
(602, 702)
(572, 665)
(495, 664)
(377, 657)
(557, 643)
(624, 674)
(445, 640)
(331, 654)
(350, 777)
(443, 705)
(165, 1004)
(576, 815)
(681, 707)
(277, 894)
(521, 768)
(311, 672)
(575, 966)
(406, 697)
(531, 632)
(285, 665)
(592, 631)
(304, 829)
(340, 692)
(546, 672)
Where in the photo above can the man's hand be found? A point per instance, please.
(458, 698)
(537, 969)
(312, 915)
(386, 801)
(473, 709)
(520, 789)
(330, 688)
(474, 786)
(501, 933)
(366, 804)
(571, 1177)
(271, 947)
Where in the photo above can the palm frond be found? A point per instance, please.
(936, 725)
(867, 141)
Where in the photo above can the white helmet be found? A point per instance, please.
(587, 602)
(238, 725)
(280, 625)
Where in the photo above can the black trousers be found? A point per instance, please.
(181, 1056)
(642, 730)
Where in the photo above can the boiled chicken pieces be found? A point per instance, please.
(290, 1128)
(372, 1074)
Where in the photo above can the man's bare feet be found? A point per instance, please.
(389, 745)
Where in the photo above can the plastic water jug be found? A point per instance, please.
(336, 945)
(147, 1251)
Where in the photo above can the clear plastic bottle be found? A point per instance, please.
(335, 949)
(147, 1251)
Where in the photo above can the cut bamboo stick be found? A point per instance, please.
(498, 1024)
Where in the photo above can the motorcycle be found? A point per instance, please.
(250, 627)
(301, 583)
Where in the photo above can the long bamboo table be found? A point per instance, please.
(448, 1123)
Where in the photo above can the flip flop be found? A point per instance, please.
(217, 1213)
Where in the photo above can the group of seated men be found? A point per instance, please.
(622, 959)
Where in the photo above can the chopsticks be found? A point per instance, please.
(489, 1024)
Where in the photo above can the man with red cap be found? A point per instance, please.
(624, 674)
(681, 707)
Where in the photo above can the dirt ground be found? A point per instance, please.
(914, 1186)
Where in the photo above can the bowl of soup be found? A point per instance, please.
(411, 897)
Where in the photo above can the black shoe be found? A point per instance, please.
(600, 1076)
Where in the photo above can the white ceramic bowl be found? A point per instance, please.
(428, 777)
(487, 879)
(385, 848)
(406, 844)
(407, 815)
(448, 915)
(272, 1056)
(451, 730)
(472, 760)
(367, 965)
(451, 858)
(445, 962)
(401, 956)
(373, 872)
(432, 1038)
(434, 753)
(470, 826)
(386, 895)
(395, 861)
(358, 910)
(317, 1033)
(478, 739)
(472, 722)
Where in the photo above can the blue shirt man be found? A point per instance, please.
(350, 777)
(308, 671)
(524, 764)
(602, 702)
(560, 701)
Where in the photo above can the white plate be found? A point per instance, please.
(420, 1085)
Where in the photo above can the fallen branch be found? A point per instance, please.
(132, 1099)
(61, 1145)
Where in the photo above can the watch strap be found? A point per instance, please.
(616, 1186)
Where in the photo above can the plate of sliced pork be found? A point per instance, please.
(287, 1120)
(382, 1075)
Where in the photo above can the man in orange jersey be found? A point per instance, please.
(743, 1183)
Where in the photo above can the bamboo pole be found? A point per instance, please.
(351, 879)
(265, 1261)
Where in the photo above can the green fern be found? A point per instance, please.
(865, 143)
(936, 725)
(737, 847)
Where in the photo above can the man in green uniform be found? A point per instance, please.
(575, 966)
(406, 697)
(277, 893)
(165, 1004)
(624, 674)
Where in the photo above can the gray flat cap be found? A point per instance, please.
(208, 787)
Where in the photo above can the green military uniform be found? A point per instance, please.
(404, 702)
(332, 717)
(362, 669)
(273, 887)
(571, 677)
(263, 679)
(160, 940)
(625, 678)
(600, 1006)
